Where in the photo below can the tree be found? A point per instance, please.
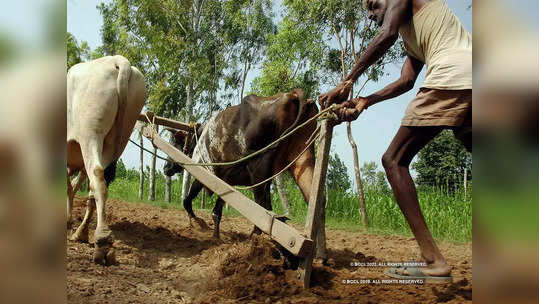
(249, 24)
(121, 171)
(381, 183)
(141, 167)
(151, 194)
(293, 59)
(337, 174)
(76, 52)
(368, 171)
(443, 162)
(185, 47)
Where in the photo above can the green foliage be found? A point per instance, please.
(441, 163)
(76, 52)
(293, 60)
(188, 50)
(341, 23)
(381, 183)
(368, 172)
(123, 173)
(373, 178)
(337, 175)
(448, 215)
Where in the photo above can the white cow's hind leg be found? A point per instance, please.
(94, 169)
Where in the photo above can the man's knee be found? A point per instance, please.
(388, 161)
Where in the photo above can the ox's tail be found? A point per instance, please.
(122, 84)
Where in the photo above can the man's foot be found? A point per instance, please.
(429, 274)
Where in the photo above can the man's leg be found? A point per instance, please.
(405, 145)
(464, 132)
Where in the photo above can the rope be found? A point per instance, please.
(152, 124)
(151, 152)
(312, 140)
(266, 148)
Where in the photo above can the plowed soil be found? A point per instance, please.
(161, 259)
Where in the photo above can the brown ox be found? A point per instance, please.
(240, 130)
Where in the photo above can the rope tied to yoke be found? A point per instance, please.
(152, 124)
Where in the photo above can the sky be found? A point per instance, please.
(372, 131)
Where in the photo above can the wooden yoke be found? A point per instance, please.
(166, 122)
(316, 210)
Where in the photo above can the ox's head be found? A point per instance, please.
(185, 142)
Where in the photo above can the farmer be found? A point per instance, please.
(434, 36)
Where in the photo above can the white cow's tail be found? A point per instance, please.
(185, 184)
(122, 84)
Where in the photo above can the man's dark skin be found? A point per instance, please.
(390, 15)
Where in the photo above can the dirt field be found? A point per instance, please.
(163, 260)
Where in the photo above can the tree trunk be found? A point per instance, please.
(246, 68)
(151, 195)
(141, 179)
(359, 183)
(187, 118)
(168, 180)
(279, 183)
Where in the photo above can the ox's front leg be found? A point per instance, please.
(188, 204)
(217, 214)
(262, 196)
(302, 171)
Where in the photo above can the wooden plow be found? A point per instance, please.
(297, 243)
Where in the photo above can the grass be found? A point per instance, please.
(448, 215)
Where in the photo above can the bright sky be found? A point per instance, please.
(373, 130)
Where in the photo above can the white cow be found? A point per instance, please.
(104, 98)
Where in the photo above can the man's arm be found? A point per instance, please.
(395, 15)
(410, 70)
(387, 35)
(350, 110)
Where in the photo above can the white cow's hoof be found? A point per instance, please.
(110, 258)
(105, 255)
(81, 235)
